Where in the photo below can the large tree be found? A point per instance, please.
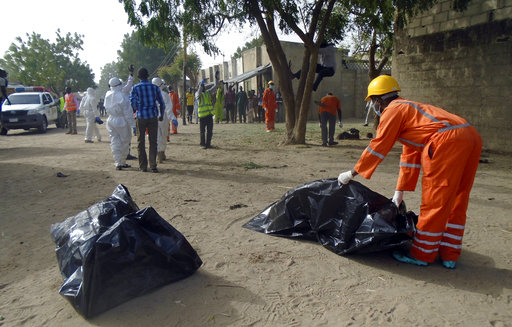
(37, 61)
(312, 21)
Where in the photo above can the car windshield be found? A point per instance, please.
(24, 99)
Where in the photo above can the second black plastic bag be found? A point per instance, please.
(347, 219)
(113, 252)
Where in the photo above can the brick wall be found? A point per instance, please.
(462, 62)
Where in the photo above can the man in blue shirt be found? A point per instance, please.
(143, 98)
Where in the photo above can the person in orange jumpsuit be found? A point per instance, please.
(269, 105)
(175, 107)
(446, 147)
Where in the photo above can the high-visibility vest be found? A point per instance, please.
(70, 102)
(205, 106)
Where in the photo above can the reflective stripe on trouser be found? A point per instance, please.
(449, 166)
(270, 118)
(163, 132)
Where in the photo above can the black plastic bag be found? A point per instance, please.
(113, 252)
(347, 219)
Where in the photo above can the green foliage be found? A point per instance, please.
(37, 61)
(134, 51)
(256, 42)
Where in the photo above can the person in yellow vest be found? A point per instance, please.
(63, 118)
(205, 111)
(190, 105)
(71, 105)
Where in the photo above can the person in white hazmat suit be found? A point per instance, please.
(89, 108)
(131, 120)
(163, 130)
(119, 113)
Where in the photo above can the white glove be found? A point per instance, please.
(340, 124)
(398, 197)
(345, 177)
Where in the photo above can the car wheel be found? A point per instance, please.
(44, 125)
(3, 131)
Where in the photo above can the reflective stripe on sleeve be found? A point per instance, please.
(429, 116)
(375, 153)
(405, 164)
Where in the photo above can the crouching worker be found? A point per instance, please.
(446, 147)
(119, 110)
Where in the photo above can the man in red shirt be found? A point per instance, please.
(270, 106)
(328, 107)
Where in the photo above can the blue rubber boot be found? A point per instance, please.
(449, 264)
(405, 258)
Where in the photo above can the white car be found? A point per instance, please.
(27, 110)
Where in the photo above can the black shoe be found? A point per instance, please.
(126, 166)
(324, 144)
(119, 167)
(333, 143)
(130, 157)
(143, 169)
(365, 124)
(154, 170)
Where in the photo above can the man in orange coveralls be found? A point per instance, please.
(175, 107)
(446, 147)
(270, 106)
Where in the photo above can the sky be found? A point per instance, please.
(102, 22)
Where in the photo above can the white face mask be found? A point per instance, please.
(271, 87)
(376, 108)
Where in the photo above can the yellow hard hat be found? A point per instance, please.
(270, 82)
(381, 85)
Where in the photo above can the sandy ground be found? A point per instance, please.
(248, 278)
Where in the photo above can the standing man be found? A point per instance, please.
(144, 97)
(205, 112)
(190, 105)
(269, 105)
(446, 147)
(89, 107)
(241, 103)
(328, 107)
(175, 107)
(3, 88)
(71, 105)
(230, 100)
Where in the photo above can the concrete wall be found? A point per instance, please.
(462, 62)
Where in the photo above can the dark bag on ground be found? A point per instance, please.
(113, 252)
(347, 219)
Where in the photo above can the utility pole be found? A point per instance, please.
(184, 106)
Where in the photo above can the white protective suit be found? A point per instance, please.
(89, 108)
(129, 113)
(119, 110)
(163, 130)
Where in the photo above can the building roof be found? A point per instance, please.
(251, 73)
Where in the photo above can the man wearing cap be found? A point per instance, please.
(270, 106)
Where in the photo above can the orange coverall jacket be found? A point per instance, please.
(269, 103)
(448, 149)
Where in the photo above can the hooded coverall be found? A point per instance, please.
(120, 112)
(448, 149)
(89, 106)
(163, 126)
